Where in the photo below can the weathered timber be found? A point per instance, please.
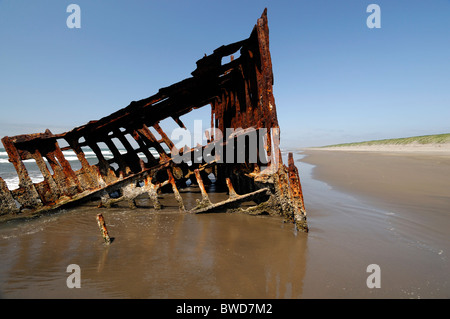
(240, 96)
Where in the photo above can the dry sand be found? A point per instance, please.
(412, 148)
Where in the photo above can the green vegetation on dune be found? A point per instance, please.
(425, 139)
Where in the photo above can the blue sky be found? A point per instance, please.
(336, 80)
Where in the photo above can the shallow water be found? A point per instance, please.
(165, 254)
(168, 254)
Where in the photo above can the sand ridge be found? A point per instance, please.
(441, 149)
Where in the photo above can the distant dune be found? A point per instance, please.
(438, 143)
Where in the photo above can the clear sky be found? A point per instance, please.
(336, 80)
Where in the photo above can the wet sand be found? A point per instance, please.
(404, 227)
(415, 184)
(154, 254)
(168, 254)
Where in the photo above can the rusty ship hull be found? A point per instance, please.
(239, 94)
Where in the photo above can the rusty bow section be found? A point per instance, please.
(239, 94)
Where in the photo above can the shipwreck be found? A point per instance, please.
(239, 93)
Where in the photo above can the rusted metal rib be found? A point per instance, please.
(102, 226)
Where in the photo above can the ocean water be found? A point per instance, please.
(9, 174)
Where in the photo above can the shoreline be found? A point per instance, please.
(413, 186)
(412, 148)
(387, 208)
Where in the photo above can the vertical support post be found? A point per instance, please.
(123, 167)
(70, 176)
(231, 190)
(294, 180)
(205, 198)
(264, 76)
(145, 131)
(143, 148)
(103, 229)
(131, 153)
(103, 163)
(55, 192)
(86, 167)
(31, 197)
(7, 203)
(60, 178)
(295, 190)
(152, 191)
(164, 137)
(175, 191)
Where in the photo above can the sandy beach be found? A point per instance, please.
(411, 148)
(363, 208)
(408, 192)
(415, 180)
